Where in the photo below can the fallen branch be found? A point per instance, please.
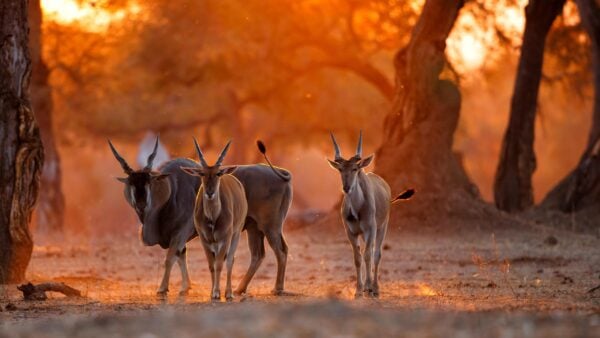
(594, 289)
(38, 292)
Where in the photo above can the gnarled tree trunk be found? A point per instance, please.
(512, 187)
(581, 188)
(417, 147)
(51, 202)
(20, 144)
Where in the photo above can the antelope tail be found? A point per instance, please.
(263, 150)
(404, 196)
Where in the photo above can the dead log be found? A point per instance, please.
(38, 292)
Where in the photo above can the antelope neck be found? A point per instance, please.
(355, 198)
(212, 208)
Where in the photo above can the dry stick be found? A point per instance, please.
(594, 289)
(38, 292)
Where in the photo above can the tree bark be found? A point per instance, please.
(417, 148)
(20, 144)
(51, 202)
(513, 190)
(580, 189)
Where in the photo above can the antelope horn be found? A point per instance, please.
(359, 146)
(126, 168)
(200, 155)
(152, 156)
(223, 153)
(336, 147)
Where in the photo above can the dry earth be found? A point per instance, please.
(507, 283)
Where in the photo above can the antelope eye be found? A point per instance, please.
(219, 174)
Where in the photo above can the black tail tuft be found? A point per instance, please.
(405, 195)
(284, 176)
(261, 147)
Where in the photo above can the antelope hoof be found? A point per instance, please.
(358, 294)
(183, 293)
(239, 292)
(229, 297)
(216, 295)
(281, 293)
(162, 294)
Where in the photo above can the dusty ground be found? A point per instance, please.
(505, 283)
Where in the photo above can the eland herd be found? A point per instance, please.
(184, 199)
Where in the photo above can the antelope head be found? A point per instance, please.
(210, 175)
(139, 184)
(349, 168)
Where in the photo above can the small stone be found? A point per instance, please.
(551, 240)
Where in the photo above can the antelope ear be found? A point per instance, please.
(190, 171)
(333, 164)
(365, 161)
(122, 179)
(228, 169)
(159, 177)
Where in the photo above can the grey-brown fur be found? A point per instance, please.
(219, 215)
(365, 213)
(269, 199)
(164, 202)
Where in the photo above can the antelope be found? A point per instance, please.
(164, 202)
(269, 196)
(365, 213)
(219, 215)
(268, 193)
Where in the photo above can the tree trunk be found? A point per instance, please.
(51, 202)
(417, 147)
(581, 188)
(512, 187)
(20, 144)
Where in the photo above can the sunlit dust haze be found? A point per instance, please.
(283, 71)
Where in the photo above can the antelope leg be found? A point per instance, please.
(169, 260)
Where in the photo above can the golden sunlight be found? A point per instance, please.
(468, 44)
(425, 290)
(90, 16)
(471, 42)
(469, 49)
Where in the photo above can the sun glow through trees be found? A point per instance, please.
(473, 41)
(92, 16)
(469, 46)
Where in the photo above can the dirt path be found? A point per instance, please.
(513, 280)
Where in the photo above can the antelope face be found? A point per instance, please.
(210, 175)
(211, 178)
(139, 183)
(349, 170)
(138, 191)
